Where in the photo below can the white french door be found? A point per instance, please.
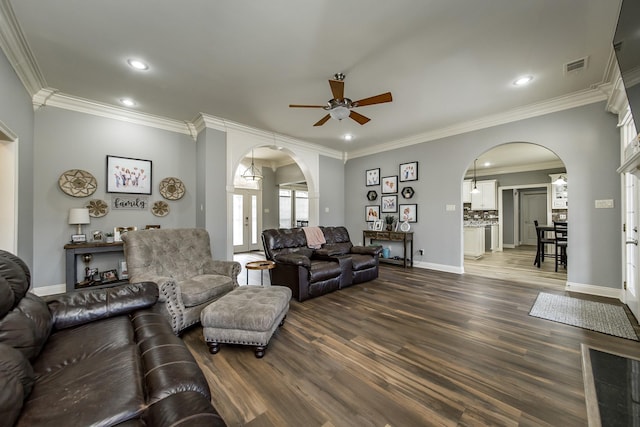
(247, 220)
(631, 252)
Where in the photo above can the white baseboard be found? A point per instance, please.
(601, 291)
(49, 290)
(509, 245)
(438, 267)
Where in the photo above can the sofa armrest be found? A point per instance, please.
(293, 259)
(367, 250)
(84, 306)
(223, 267)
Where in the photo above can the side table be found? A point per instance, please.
(263, 265)
(73, 250)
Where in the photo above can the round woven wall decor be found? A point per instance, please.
(97, 208)
(160, 208)
(77, 183)
(172, 188)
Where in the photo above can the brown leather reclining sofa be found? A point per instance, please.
(93, 357)
(313, 272)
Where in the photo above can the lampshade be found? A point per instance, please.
(79, 216)
(339, 113)
(252, 173)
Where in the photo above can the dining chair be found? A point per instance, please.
(561, 235)
(542, 241)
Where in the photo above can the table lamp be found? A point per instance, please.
(79, 216)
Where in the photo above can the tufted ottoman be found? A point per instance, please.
(247, 315)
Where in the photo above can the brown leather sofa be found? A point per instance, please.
(93, 357)
(313, 272)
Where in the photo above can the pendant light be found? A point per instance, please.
(475, 182)
(252, 173)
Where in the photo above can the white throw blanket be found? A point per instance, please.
(315, 237)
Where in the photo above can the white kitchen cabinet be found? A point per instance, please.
(485, 199)
(473, 242)
(467, 186)
(559, 194)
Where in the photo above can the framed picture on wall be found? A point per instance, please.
(128, 176)
(409, 213)
(390, 184)
(409, 171)
(389, 203)
(372, 213)
(372, 177)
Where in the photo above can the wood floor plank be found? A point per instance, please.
(414, 347)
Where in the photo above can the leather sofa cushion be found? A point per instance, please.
(27, 326)
(83, 342)
(107, 385)
(187, 409)
(362, 262)
(205, 287)
(17, 378)
(323, 270)
(15, 278)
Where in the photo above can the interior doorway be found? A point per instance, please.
(247, 221)
(9, 190)
(533, 207)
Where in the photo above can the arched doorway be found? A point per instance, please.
(515, 184)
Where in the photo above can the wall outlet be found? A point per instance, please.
(421, 252)
(450, 208)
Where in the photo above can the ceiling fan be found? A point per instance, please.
(340, 107)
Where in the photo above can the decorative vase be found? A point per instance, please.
(109, 239)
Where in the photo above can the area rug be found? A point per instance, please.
(596, 316)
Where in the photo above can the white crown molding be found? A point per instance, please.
(207, 121)
(53, 98)
(15, 47)
(567, 102)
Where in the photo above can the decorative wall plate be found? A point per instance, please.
(172, 188)
(160, 208)
(77, 183)
(97, 208)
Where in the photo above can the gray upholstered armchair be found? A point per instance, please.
(179, 261)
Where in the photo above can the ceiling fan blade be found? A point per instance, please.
(306, 106)
(323, 120)
(378, 99)
(337, 88)
(358, 117)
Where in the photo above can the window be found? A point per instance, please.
(294, 206)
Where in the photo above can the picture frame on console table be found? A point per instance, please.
(126, 175)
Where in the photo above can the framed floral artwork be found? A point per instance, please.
(409, 213)
(409, 171)
(390, 184)
(372, 177)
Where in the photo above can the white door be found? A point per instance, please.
(247, 221)
(533, 207)
(631, 243)
(8, 189)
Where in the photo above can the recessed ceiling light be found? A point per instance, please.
(128, 102)
(487, 164)
(524, 80)
(348, 137)
(137, 64)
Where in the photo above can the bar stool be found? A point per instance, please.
(542, 241)
(560, 230)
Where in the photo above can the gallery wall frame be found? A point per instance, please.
(128, 175)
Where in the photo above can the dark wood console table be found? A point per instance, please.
(71, 257)
(393, 236)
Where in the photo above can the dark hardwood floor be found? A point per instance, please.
(415, 347)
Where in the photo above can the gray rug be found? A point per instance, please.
(596, 316)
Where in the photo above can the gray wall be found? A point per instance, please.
(508, 237)
(270, 199)
(71, 140)
(522, 178)
(16, 112)
(332, 195)
(586, 139)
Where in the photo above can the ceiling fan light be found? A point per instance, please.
(339, 112)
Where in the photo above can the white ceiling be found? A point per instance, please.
(446, 62)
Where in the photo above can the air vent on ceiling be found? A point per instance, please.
(577, 65)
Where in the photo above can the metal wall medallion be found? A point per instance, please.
(97, 208)
(172, 188)
(372, 195)
(407, 192)
(77, 183)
